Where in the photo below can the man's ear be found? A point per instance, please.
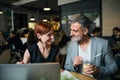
(85, 31)
(38, 36)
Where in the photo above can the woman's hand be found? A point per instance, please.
(20, 62)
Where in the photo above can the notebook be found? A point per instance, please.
(41, 71)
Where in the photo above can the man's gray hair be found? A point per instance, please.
(82, 19)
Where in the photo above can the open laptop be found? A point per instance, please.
(41, 71)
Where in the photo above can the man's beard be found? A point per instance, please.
(77, 38)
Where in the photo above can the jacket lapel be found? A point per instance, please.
(93, 50)
(75, 50)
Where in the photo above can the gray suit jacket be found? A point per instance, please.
(101, 56)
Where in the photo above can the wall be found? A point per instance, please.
(84, 6)
(110, 15)
(80, 6)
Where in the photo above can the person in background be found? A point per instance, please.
(57, 37)
(64, 40)
(42, 51)
(6, 34)
(14, 41)
(15, 44)
(97, 32)
(30, 41)
(2, 39)
(115, 45)
(3, 43)
(115, 38)
(31, 38)
(93, 51)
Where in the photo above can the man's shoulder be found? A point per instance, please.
(72, 42)
(99, 40)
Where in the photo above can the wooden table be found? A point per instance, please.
(81, 76)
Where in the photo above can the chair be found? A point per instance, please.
(5, 56)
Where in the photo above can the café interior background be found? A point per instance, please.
(16, 14)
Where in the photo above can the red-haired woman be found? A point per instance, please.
(43, 50)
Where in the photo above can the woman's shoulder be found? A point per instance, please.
(34, 46)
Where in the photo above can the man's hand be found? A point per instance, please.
(77, 61)
(90, 69)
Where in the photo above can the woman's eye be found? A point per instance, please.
(48, 34)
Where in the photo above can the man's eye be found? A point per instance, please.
(75, 30)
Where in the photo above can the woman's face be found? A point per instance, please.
(47, 38)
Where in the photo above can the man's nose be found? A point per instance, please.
(71, 33)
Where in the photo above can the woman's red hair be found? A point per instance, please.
(42, 28)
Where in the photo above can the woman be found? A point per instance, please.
(43, 50)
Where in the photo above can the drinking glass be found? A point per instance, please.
(86, 64)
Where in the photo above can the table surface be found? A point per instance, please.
(81, 76)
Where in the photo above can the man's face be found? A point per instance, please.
(76, 32)
(116, 33)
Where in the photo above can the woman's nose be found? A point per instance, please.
(52, 36)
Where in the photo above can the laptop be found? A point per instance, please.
(41, 71)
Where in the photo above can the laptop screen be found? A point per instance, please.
(42, 71)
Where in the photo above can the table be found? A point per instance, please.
(81, 76)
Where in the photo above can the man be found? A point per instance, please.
(84, 48)
(97, 32)
(115, 38)
(14, 41)
(2, 40)
(16, 46)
